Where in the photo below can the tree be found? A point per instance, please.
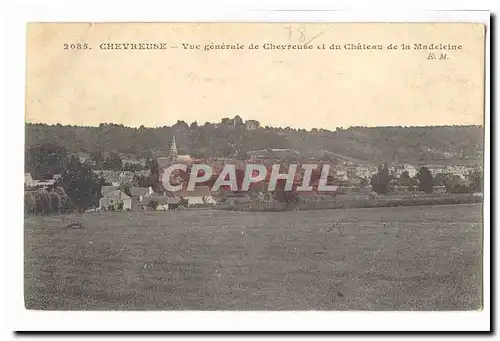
(29, 203)
(97, 158)
(153, 204)
(55, 202)
(380, 181)
(42, 198)
(184, 202)
(113, 162)
(181, 124)
(125, 188)
(131, 167)
(44, 160)
(281, 195)
(476, 179)
(82, 187)
(426, 181)
(454, 184)
(63, 197)
(404, 179)
(440, 179)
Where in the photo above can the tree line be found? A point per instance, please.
(77, 188)
(383, 182)
(371, 144)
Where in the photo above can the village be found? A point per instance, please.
(122, 191)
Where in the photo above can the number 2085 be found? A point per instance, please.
(77, 46)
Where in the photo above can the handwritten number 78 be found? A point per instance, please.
(300, 30)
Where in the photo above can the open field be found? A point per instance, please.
(425, 258)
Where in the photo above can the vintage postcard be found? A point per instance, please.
(254, 166)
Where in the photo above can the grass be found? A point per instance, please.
(426, 258)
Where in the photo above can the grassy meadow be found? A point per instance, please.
(424, 258)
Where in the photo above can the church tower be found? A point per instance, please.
(173, 150)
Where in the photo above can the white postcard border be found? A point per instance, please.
(21, 319)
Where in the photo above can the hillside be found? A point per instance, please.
(437, 144)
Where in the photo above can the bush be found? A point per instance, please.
(153, 204)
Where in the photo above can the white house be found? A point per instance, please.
(199, 196)
(366, 171)
(114, 200)
(28, 180)
(342, 175)
(412, 170)
(162, 203)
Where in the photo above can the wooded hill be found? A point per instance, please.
(417, 145)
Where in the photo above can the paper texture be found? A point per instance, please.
(338, 87)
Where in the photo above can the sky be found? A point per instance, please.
(317, 88)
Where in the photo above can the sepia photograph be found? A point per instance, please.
(264, 166)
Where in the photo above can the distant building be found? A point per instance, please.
(30, 183)
(439, 189)
(252, 125)
(366, 171)
(342, 175)
(461, 171)
(107, 189)
(28, 180)
(109, 176)
(412, 170)
(137, 195)
(161, 203)
(173, 157)
(115, 200)
(125, 177)
(232, 122)
(200, 195)
(437, 169)
(273, 153)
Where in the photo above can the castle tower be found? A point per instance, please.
(173, 150)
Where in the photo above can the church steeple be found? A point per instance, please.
(173, 150)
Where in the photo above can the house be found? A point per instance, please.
(412, 170)
(125, 177)
(112, 177)
(44, 183)
(342, 175)
(439, 189)
(199, 196)
(437, 169)
(137, 194)
(252, 125)
(459, 170)
(142, 172)
(28, 180)
(236, 121)
(160, 203)
(114, 201)
(107, 189)
(366, 171)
